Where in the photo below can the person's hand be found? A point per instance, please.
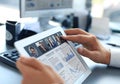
(35, 72)
(91, 46)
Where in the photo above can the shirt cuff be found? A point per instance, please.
(115, 58)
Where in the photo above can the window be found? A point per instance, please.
(106, 8)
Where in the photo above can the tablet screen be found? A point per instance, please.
(59, 54)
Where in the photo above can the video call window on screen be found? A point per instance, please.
(42, 46)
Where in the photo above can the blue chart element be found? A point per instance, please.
(69, 56)
(59, 66)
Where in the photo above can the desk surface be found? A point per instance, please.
(101, 74)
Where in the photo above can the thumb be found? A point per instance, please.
(85, 52)
(32, 62)
(23, 68)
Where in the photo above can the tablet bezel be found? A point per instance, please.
(29, 40)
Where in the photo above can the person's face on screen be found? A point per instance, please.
(32, 50)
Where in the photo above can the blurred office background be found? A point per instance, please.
(106, 8)
(10, 9)
(97, 8)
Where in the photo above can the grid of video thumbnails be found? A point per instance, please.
(44, 45)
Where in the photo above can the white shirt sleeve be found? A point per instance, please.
(115, 58)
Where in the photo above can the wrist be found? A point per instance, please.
(108, 54)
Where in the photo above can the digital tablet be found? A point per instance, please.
(49, 48)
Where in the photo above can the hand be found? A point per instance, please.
(91, 46)
(35, 72)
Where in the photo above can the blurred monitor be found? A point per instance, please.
(43, 8)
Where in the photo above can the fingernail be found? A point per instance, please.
(80, 50)
(63, 36)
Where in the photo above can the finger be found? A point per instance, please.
(85, 52)
(89, 54)
(77, 38)
(93, 55)
(32, 62)
(24, 69)
(75, 31)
